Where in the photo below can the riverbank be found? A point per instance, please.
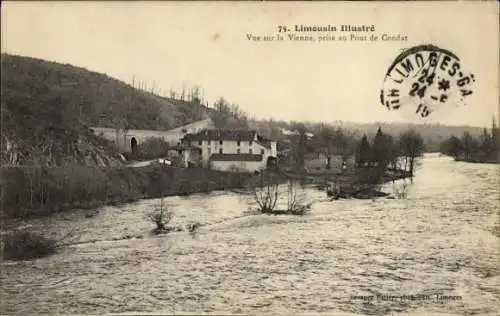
(489, 160)
(38, 191)
(351, 176)
(34, 191)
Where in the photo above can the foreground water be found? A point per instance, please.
(442, 240)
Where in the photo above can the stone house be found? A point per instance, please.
(229, 150)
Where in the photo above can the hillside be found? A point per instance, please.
(46, 107)
(433, 134)
(97, 99)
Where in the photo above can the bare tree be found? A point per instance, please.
(400, 189)
(412, 146)
(296, 203)
(153, 86)
(195, 93)
(325, 136)
(266, 193)
(161, 216)
(183, 93)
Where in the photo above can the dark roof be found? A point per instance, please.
(213, 134)
(235, 157)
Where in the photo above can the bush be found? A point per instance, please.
(266, 195)
(400, 189)
(193, 228)
(161, 216)
(302, 209)
(154, 147)
(24, 245)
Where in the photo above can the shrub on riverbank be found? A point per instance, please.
(24, 245)
(161, 216)
(266, 195)
(31, 191)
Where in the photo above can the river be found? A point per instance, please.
(442, 239)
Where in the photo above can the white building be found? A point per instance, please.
(229, 150)
(287, 132)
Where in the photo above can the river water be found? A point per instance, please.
(442, 239)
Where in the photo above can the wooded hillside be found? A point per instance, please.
(47, 106)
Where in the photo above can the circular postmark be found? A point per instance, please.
(426, 79)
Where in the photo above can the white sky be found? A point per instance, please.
(172, 43)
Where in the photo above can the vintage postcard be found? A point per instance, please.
(249, 158)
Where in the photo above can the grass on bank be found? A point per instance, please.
(25, 245)
(31, 191)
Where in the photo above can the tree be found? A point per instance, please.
(341, 144)
(451, 147)
(274, 132)
(486, 144)
(296, 204)
(154, 147)
(299, 148)
(393, 152)
(469, 148)
(382, 150)
(377, 148)
(334, 142)
(363, 152)
(266, 192)
(469, 144)
(325, 140)
(228, 116)
(195, 94)
(266, 195)
(495, 138)
(220, 115)
(411, 145)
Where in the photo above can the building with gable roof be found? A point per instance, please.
(229, 150)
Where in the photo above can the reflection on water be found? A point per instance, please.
(441, 239)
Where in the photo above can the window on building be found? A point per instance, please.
(209, 151)
(238, 151)
(250, 151)
(208, 142)
(250, 143)
(262, 151)
(200, 142)
(220, 142)
(220, 151)
(238, 142)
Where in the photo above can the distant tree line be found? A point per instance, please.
(484, 148)
(389, 152)
(384, 152)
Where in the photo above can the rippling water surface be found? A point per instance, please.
(442, 239)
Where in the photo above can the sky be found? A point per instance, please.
(175, 44)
